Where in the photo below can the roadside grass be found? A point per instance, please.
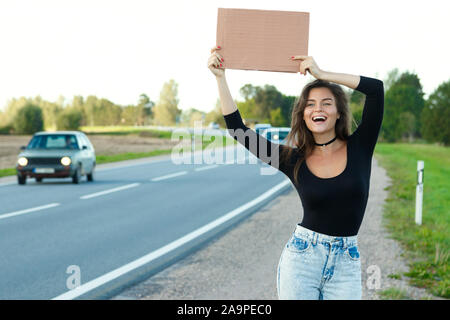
(394, 294)
(126, 130)
(427, 246)
(206, 142)
(7, 172)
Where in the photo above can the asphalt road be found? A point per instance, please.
(135, 219)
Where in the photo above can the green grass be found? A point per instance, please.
(129, 156)
(126, 130)
(427, 246)
(7, 172)
(394, 294)
(395, 276)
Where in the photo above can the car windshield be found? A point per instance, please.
(53, 141)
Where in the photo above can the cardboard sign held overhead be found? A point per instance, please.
(262, 39)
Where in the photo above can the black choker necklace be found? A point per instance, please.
(324, 144)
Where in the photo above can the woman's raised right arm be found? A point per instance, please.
(215, 65)
(262, 148)
(227, 103)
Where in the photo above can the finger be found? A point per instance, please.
(219, 57)
(212, 65)
(302, 71)
(299, 57)
(302, 68)
(214, 59)
(219, 60)
(213, 49)
(214, 62)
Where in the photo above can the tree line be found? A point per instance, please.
(407, 115)
(28, 115)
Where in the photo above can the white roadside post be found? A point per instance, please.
(419, 192)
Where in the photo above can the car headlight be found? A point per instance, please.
(66, 161)
(22, 161)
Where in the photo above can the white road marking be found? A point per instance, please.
(206, 168)
(18, 213)
(170, 176)
(92, 195)
(88, 286)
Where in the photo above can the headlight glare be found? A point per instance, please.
(22, 161)
(66, 161)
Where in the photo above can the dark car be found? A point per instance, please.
(259, 127)
(276, 135)
(60, 154)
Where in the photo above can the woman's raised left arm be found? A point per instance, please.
(308, 64)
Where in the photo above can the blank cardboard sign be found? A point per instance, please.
(262, 39)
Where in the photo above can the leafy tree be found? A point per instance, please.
(357, 97)
(265, 104)
(101, 112)
(78, 104)
(69, 119)
(357, 111)
(404, 95)
(108, 113)
(247, 109)
(287, 105)
(166, 111)
(276, 118)
(436, 115)
(2, 118)
(13, 106)
(144, 109)
(216, 115)
(129, 115)
(407, 125)
(416, 100)
(356, 103)
(267, 99)
(391, 78)
(28, 120)
(5, 127)
(248, 91)
(189, 116)
(50, 112)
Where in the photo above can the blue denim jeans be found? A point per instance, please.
(315, 266)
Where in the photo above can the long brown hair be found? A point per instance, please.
(300, 138)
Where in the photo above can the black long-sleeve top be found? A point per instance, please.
(333, 206)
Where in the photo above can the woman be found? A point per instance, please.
(330, 169)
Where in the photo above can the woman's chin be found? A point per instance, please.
(320, 130)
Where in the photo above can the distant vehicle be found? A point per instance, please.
(276, 134)
(261, 126)
(213, 125)
(60, 154)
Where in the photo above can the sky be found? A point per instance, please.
(120, 49)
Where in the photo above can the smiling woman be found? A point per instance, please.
(330, 169)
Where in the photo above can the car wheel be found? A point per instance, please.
(90, 176)
(39, 179)
(77, 176)
(21, 179)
